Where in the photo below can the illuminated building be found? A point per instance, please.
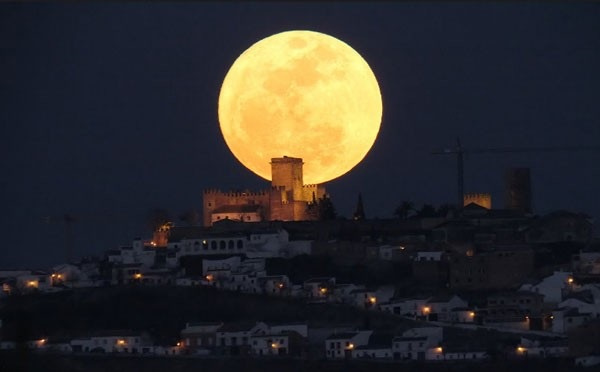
(287, 200)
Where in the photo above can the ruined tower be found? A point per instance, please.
(518, 189)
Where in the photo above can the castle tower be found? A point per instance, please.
(286, 172)
(518, 189)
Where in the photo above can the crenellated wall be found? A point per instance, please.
(286, 200)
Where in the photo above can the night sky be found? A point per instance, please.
(110, 110)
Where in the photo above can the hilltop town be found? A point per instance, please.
(276, 275)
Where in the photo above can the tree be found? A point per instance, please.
(427, 210)
(445, 209)
(404, 209)
(326, 209)
(190, 217)
(322, 209)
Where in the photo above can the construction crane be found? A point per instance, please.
(460, 151)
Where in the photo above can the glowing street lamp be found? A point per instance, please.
(426, 310)
(210, 277)
(137, 276)
(323, 290)
(351, 346)
(570, 280)
(372, 300)
(274, 345)
(121, 342)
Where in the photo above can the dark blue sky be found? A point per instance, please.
(110, 110)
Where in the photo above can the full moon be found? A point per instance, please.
(302, 94)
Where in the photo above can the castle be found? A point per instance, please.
(287, 200)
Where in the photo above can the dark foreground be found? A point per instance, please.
(15, 362)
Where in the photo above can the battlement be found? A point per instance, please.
(235, 193)
(286, 159)
(481, 199)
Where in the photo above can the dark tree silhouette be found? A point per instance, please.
(190, 217)
(404, 210)
(445, 209)
(427, 210)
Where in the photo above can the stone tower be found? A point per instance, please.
(518, 189)
(286, 173)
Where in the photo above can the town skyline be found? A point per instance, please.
(112, 108)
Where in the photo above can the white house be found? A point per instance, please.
(409, 307)
(340, 345)
(200, 336)
(268, 243)
(443, 353)
(274, 284)
(429, 256)
(33, 281)
(364, 298)
(319, 288)
(270, 344)
(300, 328)
(372, 352)
(542, 348)
(552, 286)
(565, 319)
(410, 347)
(112, 342)
(414, 342)
(231, 263)
(440, 307)
(238, 334)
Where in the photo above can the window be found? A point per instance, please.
(230, 244)
(240, 244)
(213, 245)
(222, 244)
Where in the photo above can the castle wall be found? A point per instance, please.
(212, 199)
(287, 200)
